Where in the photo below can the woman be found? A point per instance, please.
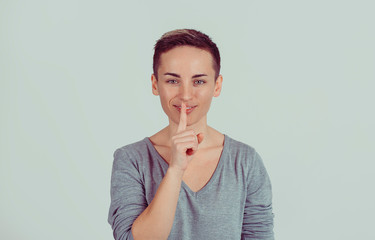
(189, 181)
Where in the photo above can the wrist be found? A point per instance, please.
(175, 172)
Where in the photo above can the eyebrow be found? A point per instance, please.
(172, 74)
(199, 75)
(178, 76)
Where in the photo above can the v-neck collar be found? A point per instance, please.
(183, 184)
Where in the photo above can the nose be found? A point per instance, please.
(186, 92)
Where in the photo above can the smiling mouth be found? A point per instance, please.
(188, 109)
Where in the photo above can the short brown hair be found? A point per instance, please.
(186, 37)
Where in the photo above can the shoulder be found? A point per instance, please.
(243, 153)
(238, 148)
(250, 161)
(132, 148)
(132, 153)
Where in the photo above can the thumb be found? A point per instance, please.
(200, 137)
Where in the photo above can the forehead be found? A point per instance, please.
(186, 58)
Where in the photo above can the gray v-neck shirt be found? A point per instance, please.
(236, 203)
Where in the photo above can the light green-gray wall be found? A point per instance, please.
(75, 85)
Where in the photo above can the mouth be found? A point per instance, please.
(189, 109)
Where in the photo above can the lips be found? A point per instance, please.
(189, 109)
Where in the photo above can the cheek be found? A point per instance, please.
(205, 96)
(165, 96)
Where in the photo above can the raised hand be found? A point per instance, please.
(156, 221)
(184, 143)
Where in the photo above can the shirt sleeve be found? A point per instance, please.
(127, 195)
(258, 216)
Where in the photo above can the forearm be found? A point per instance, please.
(156, 221)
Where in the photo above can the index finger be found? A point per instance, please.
(182, 125)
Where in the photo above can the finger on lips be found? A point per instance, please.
(182, 123)
(189, 138)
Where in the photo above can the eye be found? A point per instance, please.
(199, 82)
(173, 81)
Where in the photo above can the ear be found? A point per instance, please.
(218, 84)
(154, 82)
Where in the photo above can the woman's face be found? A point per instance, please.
(186, 75)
